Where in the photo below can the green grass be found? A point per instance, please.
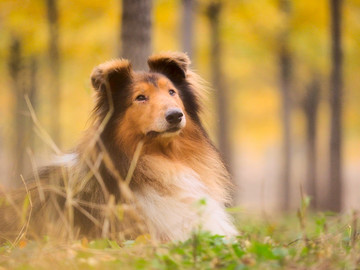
(321, 241)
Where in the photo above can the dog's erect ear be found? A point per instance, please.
(115, 73)
(173, 65)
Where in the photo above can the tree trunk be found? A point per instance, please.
(213, 12)
(136, 28)
(311, 103)
(336, 95)
(285, 87)
(16, 70)
(23, 80)
(54, 59)
(32, 92)
(188, 26)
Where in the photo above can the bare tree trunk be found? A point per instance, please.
(311, 103)
(23, 80)
(136, 30)
(336, 96)
(213, 12)
(285, 87)
(54, 59)
(32, 92)
(16, 70)
(188, 26)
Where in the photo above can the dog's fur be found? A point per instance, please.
(178, 167)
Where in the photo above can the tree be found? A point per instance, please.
(32, 89)
(310, 107)
(336, 100)
(15, 70)
(23, 83)
(285, 66)
(54, 59)
(136, 29)
(187, 26)
(213, 13)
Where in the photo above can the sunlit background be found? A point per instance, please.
(251, 37)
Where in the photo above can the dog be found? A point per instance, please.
(145, 166)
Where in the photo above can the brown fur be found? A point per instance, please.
(83, 198)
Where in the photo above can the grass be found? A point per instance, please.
(317, 241)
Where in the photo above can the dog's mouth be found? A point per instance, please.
(153, 134)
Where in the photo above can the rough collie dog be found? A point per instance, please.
(146, 166)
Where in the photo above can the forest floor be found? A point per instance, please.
(297, 241)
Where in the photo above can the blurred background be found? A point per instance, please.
(284, 108)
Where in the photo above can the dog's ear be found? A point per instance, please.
(173, 65)
(115, 74)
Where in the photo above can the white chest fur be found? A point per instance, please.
(187, 208)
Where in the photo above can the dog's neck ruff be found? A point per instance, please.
(187, 206)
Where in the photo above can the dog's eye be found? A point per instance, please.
(140, 98)
(172, 92)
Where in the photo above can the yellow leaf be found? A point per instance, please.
(84, 242)
(120, 212)
(22, 243)
(143, 239)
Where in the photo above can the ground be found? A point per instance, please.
(301, 241)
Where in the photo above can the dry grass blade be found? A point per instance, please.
(107, 117)
(107, 223)
(36, 175)
(95, 172)
(25, 227)
(134, 162)
(42, 132)
(354, 227)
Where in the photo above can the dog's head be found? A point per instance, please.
(156, 103)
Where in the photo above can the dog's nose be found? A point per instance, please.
(174, 116)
